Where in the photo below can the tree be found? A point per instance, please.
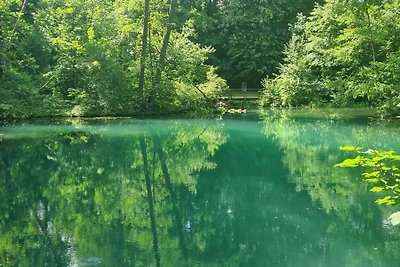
(342, 54)
(19, 95)
(97, 57)
(249, 37)
(144, 48)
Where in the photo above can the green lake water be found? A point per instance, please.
(244, 190)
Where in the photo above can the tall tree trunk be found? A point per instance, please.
(164, 47)
(144, 48)
(150, 200)
(167, 178)
(366, 7)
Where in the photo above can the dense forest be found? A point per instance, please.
(345, 53)
(126, 57)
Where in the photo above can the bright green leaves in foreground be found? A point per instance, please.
(382, 173)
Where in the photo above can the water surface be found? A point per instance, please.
(241, 191)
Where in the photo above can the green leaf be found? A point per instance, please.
(90, 33)
(352, 163)
(350, 148)
(395, 218)
(388, 200)
(371, 174)
(100, 170)
(395, 157)
(377, 189)
(377, 159)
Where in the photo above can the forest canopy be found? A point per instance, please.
(67, 57)
(345, 53)
(127, 57)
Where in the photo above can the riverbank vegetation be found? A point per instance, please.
(99, 57)
(345, 53)
(129, 57)
(125, 57)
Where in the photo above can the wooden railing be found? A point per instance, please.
(242, 94)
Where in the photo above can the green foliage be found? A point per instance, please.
(308, 141)
(91, 56)
(82, 58)
(307, 144)
(383, 171)
(344, 53)
(84, 200)
(189, 84)
(249, 36)
(18, 96)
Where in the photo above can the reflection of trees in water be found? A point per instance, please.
(310, 151)
(117, 196)
(257, 217)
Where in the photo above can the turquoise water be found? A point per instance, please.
(244, 190)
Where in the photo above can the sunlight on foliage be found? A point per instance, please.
(382, 174)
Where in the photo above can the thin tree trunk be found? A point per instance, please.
(167, 35)
(178, 219)
(150, 201)
(144, 48)
(164, 47)
(370, 30)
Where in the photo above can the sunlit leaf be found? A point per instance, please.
(352, 163)
(90, 33)
(377, 189)
(350, 148)
(377, 159)
(395, 218)
(370, 174)
(100, 170)
(386, 200)
(395, 157)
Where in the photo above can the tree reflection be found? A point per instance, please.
(150, 200)
(310, 150)
(111, 194)
(149, 193)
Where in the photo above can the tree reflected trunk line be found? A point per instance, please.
(178, 219)
(153, 173)
(204, 129)
(43, 230)
(150, 201)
